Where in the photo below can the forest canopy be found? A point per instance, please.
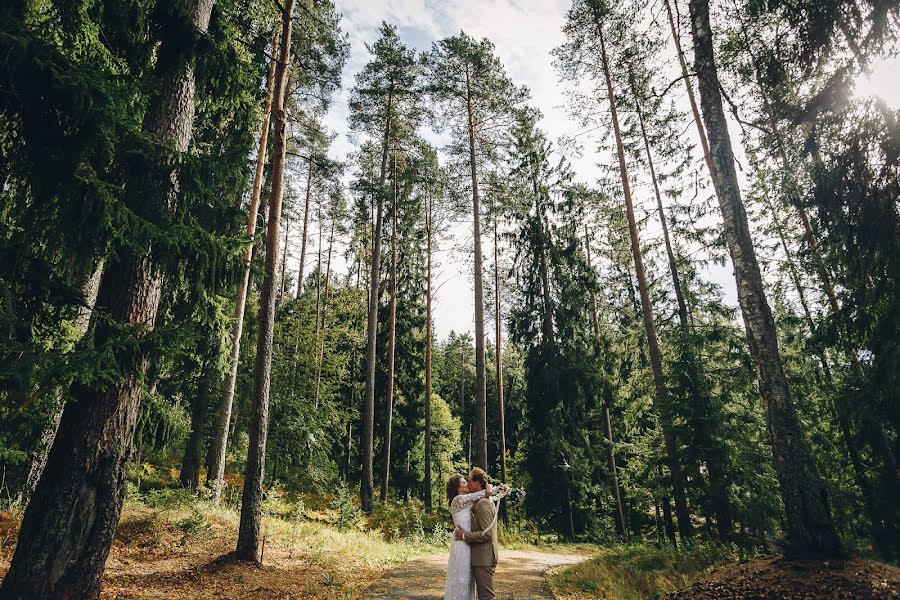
(685, 317)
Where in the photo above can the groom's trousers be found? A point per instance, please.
(484, 582)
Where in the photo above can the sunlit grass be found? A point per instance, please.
(639, 571)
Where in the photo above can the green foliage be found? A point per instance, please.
(349, 513)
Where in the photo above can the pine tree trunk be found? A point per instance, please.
(89, 286)
(249, 534)
(429, 224)
(367, 484)
(320, 354)
(621, 526)
(686, 76)
(880, 444)
(661, 398)
(480, 377)
(193, 450)
(67, 529)
(309, 178)
(710, 449)
(501, 413)
(667, 519)
(219, 443)
(392, 341)
(810, 529)
(284, 257)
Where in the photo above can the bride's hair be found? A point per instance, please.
(453, 486)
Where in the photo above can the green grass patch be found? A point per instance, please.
(640, 571)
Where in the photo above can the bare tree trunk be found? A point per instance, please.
(284, 257)
(661, 399)
(249, 534)
(89, 286)
(611, 458)
(810, 528)
(392, 341)
(880, 443)
(480, 378)
(700, 422)
(429, 231)
(219, 443)
(367, 484)
(321, 341)
(189, 477)
(309, 178)
(501, 414)
(685, 75)
(67, 529)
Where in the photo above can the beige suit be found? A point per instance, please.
(483, 545)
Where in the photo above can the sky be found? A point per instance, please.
(524, 33)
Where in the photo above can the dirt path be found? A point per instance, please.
(520, 576)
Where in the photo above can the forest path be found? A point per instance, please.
(520, 576)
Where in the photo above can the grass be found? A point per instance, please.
(639, 571)
(175, 517)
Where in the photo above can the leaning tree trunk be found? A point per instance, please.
(219, 443)
(710, 449)
(392, 346)
(810, 528)
(607, 429)
(367, 483)
(685, 75)
(67, 529)
(89, 286)
(480, 378)
(661, 398)
(429, 231)
(249, 534)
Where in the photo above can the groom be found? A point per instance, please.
(483, 543)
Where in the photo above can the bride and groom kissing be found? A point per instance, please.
(473, 555)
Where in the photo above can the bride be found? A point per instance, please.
(460, 583)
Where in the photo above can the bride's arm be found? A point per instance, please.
(464, 500)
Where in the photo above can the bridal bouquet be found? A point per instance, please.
(514, 496)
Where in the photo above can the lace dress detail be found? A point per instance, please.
(460, 583)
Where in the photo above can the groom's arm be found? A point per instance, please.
(482, 519)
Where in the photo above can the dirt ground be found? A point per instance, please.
(520, 576)
(781, 579)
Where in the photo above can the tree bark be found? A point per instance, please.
(392, 341)
(67, 529)
(219, 443)
(810, 529)
(193, 450)
(367, 484)
(89, 286)
(661, 398)
(480, 378)
(249, 534)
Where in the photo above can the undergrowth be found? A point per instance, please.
(641, 571)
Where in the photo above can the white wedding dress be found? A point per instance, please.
(460, 583)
